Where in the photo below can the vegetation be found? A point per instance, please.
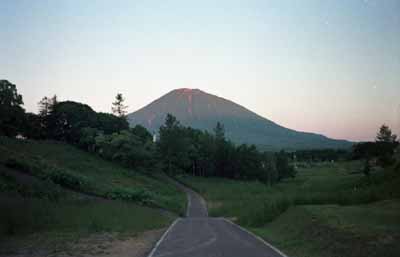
(11, 112)
(335, 230)
(380, 152)
(67, 166)
(118, 108)
(185, 150)
(26, 216)
(54, 215)
(118, 172)
(326, 191)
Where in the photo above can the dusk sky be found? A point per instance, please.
(330, 67)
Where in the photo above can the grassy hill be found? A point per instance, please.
(55, 193)
(329, 209)
(81, 171)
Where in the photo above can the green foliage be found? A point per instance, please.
(26, 216)
(191, 151)
(320, 155)
(62, 177)
(126, 148)
(139, 195)
(11, 112)
(118, 107)
(383, 149)
(33, 127)
(334, 230)
(67, 166)
(253, 203)
(109, 123)
(385, 135)
(142, 133)
(68, 120)
(285, 170)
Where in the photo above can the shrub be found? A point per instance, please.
(137, 195)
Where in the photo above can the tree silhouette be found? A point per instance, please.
(385, 135)
(11, 112)
(118, 108)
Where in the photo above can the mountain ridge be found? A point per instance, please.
(201, 110)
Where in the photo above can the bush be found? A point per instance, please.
(64, 178)
(139, 195)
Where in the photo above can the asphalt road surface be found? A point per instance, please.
(197, 235)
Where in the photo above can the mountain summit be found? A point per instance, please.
(198, 109)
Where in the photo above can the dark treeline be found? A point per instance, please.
(179, 150)
(379, 153)
(320, 155)
(200, 153)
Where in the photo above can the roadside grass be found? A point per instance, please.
(39, 215)
(26, 216)
(70, 167)
(46, 225)
(254, 204)
(333, 230)
(328, 210)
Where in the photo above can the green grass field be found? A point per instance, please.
(68, 166)
(41, 215)
(39, 208)
(328, 210)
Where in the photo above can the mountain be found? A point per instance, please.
(198, 109)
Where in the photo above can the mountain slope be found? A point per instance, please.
(197, 109)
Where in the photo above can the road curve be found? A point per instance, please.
(197, 235)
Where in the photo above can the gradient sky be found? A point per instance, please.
(330, 67)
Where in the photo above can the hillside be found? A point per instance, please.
(62, 201)
(80, 171)
(198, 109)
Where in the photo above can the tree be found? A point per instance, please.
(219, 132)
(142, 133)
(385, 135)
(109, 123)
(285, 170)
(33, 127)
(118, 108)
(46, 105)
(46, 108)
(68, 118)
(173, 146)
(11, 112)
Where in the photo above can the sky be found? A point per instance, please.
(329, 67)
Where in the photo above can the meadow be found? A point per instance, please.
(52, 193)
(329, 209)
(78, 170)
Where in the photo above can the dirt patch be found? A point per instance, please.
(96, 245)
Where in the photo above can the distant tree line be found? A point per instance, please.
(179, 150)
(381, 152)
(320, 155)
(199, 153)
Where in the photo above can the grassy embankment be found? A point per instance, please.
(39, 193)
(327, 210)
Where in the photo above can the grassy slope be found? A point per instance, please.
(42, 213)
(328, 210)
(102, 177)
(333, 230)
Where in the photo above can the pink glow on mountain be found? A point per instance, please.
(188, 92)
(190, 104)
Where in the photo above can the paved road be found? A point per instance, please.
(197, 235)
